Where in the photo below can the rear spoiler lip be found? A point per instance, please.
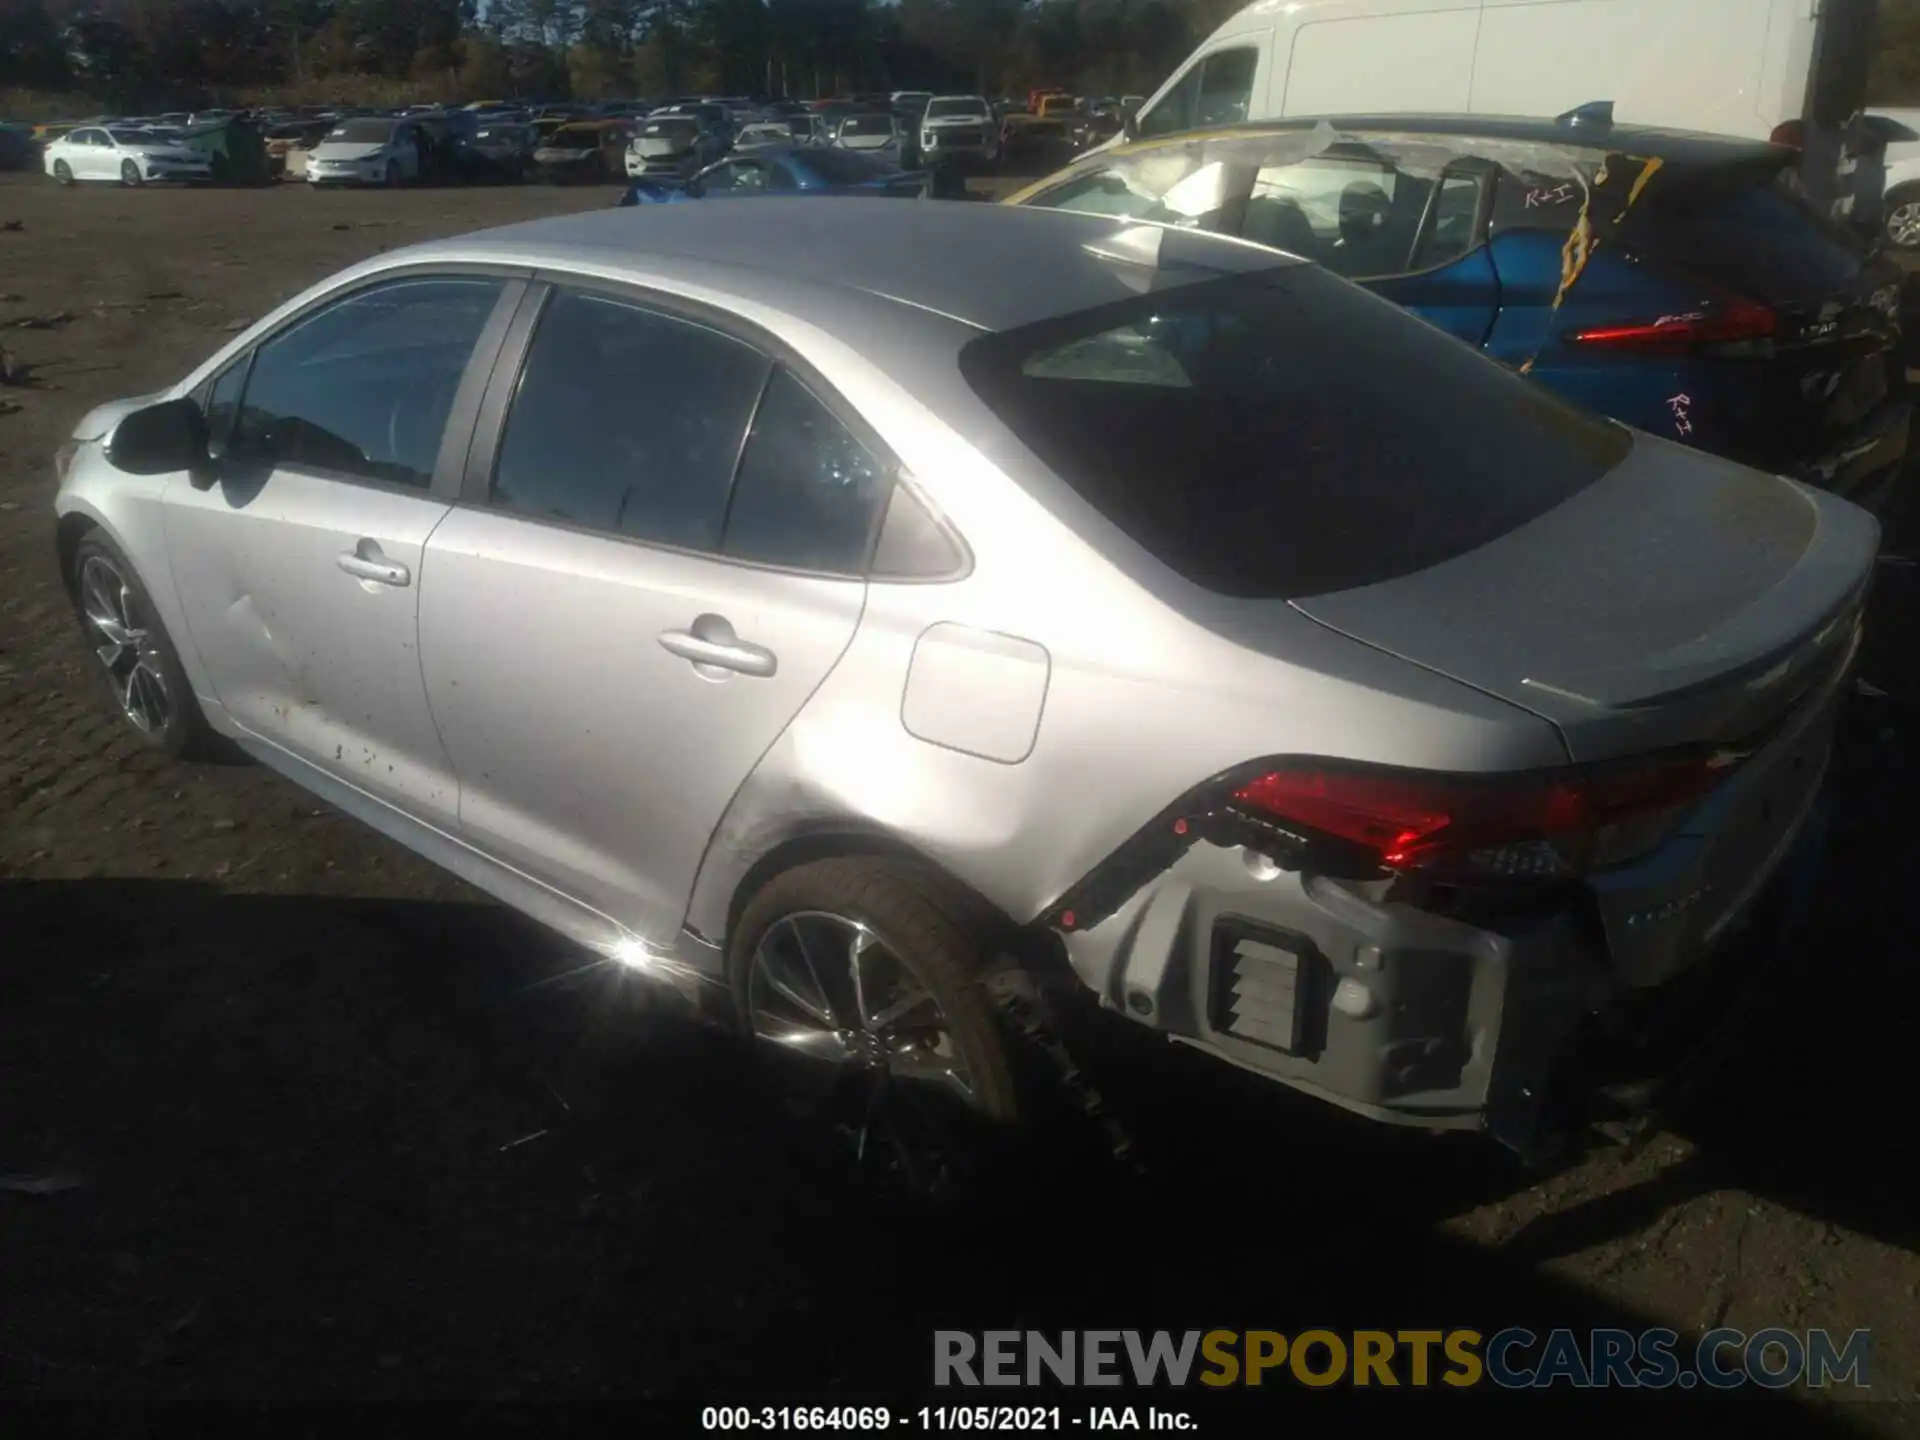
(1838, 563)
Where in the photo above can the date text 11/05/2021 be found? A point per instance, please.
(932, 1419)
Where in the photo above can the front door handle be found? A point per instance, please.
(710, 642)
(366, 562)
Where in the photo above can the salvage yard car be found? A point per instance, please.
(1713, 307)
(793, 170)
(672, 147)
(959, 127)
(785, 618)
(367, 150)
(589, 152)
(126, 157)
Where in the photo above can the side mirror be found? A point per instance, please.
(1130, 125)
(160, 440)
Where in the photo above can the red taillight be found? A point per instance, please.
(1727, 322)
(1552, 823)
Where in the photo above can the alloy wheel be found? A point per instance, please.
(1903, 224)
(125, 646)
(829, 992)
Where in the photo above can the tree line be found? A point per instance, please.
(142, 53)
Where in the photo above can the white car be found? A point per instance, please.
(959, 125)
(871, 134)
(130, 157)
(763, 133)
(367, 150)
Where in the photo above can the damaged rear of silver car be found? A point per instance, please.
(1370, 915)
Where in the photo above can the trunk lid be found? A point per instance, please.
(1679, 599)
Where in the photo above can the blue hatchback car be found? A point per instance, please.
(1673, 281)
(784, 170)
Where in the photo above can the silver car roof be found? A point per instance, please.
(992, 267)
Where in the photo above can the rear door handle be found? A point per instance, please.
(710, 641)
(366, 562)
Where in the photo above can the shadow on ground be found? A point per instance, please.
(377, 1148)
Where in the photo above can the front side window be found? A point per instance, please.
(628, 421)
(743, 175)
(1217, 90)
(363, 388)
(808, 493)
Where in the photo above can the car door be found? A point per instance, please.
(738, 176)
(298, 556)
(662, 560)
(89, 155)
(1417, 241)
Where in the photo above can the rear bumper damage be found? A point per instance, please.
(1367, 995)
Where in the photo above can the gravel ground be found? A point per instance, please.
(345, 1129)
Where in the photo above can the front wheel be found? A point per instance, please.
(134, 653)
(129, 174)
(63, 172)
(393, 175)
(1903, 218)
(858, 981)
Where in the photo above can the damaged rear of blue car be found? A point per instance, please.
(1675, 282)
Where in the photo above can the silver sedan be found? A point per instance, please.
(788, 618)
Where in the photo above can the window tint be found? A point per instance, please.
(1171, 187)
(1216, 91)
(364, 387)
(808, 492)
(1741, 227)
(223, 405)
(1283, 433)
(1453, 232)
(629, 421)
(1226, 87)
(736, 175)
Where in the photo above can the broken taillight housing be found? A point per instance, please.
(1542, 824)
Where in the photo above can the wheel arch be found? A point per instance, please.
(719, 899)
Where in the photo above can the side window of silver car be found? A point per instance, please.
(808, 493)
(362, 388)
(628, 420)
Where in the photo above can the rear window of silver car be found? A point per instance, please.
(1283, 433)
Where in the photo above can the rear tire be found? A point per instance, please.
(133, 654)
(915, 1063)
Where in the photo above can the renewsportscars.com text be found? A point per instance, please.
(1514, 1358)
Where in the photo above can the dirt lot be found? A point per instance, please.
(344, 1129)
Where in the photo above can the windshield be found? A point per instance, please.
(867, 125)
(133, 137)
(841, 167)
(363, 132)
(973, 109)
(676, 129)
(573, 137)
(1283, 433)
